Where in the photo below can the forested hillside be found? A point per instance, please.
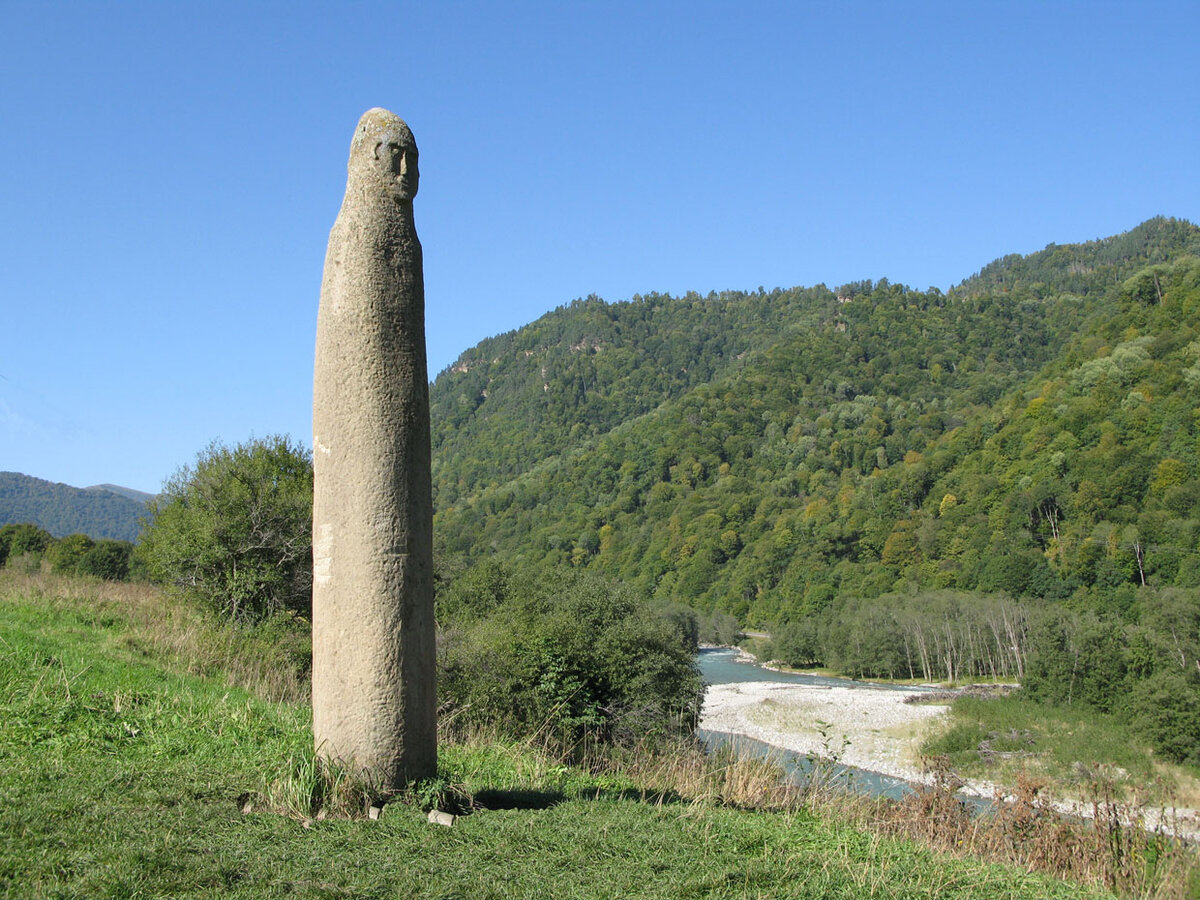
(1090, 268)
(1032, 431)
(99, 512)
(578, 372)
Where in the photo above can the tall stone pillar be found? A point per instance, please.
(374, 699)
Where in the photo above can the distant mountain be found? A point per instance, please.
(135, 495)
(103, 511)
(1030, 431)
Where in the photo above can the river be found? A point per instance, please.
(723, 666)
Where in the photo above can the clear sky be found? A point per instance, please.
(169, 172)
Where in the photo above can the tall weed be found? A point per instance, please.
(308, 786)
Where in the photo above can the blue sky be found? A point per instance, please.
(169, 173)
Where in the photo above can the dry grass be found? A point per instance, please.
(911, 735)
(1185, 787)
(1114, 849)
(680, 772)
(721, 778)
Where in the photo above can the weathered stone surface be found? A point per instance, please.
(374, 703)
(437, 817)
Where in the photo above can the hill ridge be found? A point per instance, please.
(99, 511)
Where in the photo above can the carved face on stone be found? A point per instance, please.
(385, 152)
(400, 163)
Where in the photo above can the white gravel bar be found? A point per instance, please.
(868, 728)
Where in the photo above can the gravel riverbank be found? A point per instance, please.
(880, 732)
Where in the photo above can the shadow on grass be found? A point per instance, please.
(491, 798)
(520, 798)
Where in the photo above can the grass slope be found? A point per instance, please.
(122, 778)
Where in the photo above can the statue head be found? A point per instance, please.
(384, 152)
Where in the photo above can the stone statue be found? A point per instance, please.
(374, 699)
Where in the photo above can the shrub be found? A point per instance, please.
(108, 559)
(235, 530)
(64, 554)
(24, 539)
(566, 656)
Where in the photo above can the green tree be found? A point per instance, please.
(235, 529)
(1165, 709)
(1051, 665)
(719, 628)
(473, 593)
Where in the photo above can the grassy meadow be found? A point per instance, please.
(134, 735)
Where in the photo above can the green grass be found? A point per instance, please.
(120, 777)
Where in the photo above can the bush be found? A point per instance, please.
(108, 559)
(566, 656)
(64, 554)
(25, 539)
(960, 743)
(235, 530)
